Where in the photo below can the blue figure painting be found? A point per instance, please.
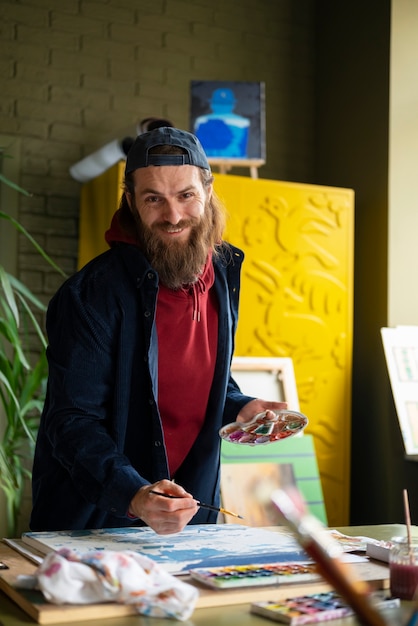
(228, 118)
(223, 132)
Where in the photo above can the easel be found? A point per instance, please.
(226, 164)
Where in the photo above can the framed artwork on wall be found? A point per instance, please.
(229, 118)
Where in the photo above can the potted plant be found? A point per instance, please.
(23, 374)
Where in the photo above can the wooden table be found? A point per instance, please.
(231, 615)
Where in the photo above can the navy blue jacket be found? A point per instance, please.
(100, 437)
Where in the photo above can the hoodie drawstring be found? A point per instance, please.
(198, 288)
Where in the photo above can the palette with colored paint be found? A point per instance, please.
(256, 575)
(319, 607)
(266, 427)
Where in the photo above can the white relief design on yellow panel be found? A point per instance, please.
(297, 230)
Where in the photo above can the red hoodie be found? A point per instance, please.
(187, 328)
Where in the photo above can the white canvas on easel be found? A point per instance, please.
(401, 351)
(272, 378)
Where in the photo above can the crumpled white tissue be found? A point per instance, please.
(66, 577)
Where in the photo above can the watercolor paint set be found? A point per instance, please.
(316, 607)
(255, 575)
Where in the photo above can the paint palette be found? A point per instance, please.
(266, 427)
(255, 575)
(316, 607)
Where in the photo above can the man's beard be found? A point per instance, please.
(177, 263)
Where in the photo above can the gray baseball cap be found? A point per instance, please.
(138, 155)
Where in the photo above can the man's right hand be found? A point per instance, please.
(165, 515)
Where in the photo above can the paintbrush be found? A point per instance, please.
(408, 524)
(202, 505)
(327, 553)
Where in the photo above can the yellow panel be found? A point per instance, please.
(99, 200)
(297, 300)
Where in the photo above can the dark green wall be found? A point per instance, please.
(352, 137)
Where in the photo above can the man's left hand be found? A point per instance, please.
(251, 409)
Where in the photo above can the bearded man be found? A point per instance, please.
(140, 343)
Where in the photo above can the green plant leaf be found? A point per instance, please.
(13, 185)
(23, 374)
(36, 245)
(8, 292)
(9, 388)
(19, 287)
(34, 321)
(8, 331)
